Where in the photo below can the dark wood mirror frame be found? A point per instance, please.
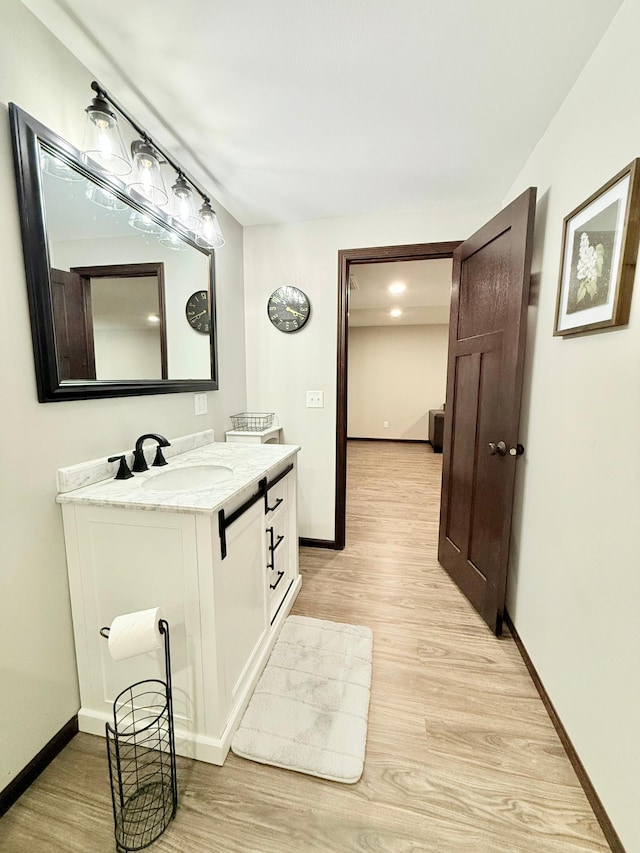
(27, 135)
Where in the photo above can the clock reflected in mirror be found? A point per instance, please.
(288, 308)
(197, 311)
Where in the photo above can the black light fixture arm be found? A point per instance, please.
(146, 136)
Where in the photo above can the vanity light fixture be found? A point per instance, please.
(396, 312)
(183, 207)
(146, 182)
(103, 145)
(209, 235)
(397, 287)
(104, 148)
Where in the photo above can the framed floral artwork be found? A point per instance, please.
(599, 251)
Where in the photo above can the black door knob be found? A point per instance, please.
(518, 450)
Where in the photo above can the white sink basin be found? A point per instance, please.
(192, 479)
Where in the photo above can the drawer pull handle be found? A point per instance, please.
(275, 506)
(272, 545)
(270, 485)
(274, 585)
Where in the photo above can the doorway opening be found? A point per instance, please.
(350, 261)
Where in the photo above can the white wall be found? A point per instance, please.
(396, 374)
(574, 583)
(38, 687)
(282, 367)
(127, 353)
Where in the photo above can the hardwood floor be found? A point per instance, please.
(461, 755)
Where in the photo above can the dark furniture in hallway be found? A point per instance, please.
(436, 429)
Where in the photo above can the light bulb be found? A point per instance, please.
(146, 181)
(209, 235)
(183, 209)
(102, 145)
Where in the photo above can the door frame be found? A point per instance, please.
(133, 270)
(346, 259)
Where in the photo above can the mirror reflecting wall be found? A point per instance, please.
(109, 280)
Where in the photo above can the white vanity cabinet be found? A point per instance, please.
(210, 572)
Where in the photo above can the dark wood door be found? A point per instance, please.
(73, 326)
(484, 383)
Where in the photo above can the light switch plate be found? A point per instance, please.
(200, 404)
(315, 399)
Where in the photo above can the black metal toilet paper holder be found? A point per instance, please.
(142, 757)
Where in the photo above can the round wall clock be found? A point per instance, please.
(288, 308)
(197, 311)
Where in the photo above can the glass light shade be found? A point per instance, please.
(53, 165)
(104, 198)
(209, 234)
(171, 240)
(146, 181)
(143, 222)
(183, 207)
(102, 145)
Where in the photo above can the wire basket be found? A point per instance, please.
(252, 421)
(142, 762)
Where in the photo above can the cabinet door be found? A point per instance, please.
(129, 560)
(240, 599)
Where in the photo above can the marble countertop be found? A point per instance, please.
(249, 462)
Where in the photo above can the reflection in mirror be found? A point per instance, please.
(127, 329)
(88, 226)
(108, 280)
(117, 317)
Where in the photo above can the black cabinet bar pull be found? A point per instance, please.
(225, 521)
(270, 562)
(274, 585)
(272, 546)
(274, 507)
(270, 485)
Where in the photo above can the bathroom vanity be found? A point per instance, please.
(216, 547)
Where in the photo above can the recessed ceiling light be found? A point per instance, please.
(153, 318)
(395, 312)
(397, 287)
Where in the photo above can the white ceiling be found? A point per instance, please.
(301, 109)
(426, 299)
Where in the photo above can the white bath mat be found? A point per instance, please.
(309, 710)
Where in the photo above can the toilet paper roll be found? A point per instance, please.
(135, 633)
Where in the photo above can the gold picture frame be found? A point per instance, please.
(599, 252)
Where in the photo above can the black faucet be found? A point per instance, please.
(139, 462)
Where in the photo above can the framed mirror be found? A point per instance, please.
(108, 280)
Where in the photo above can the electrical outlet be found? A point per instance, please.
(315, 399)
(200, 404)
(385, 424)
